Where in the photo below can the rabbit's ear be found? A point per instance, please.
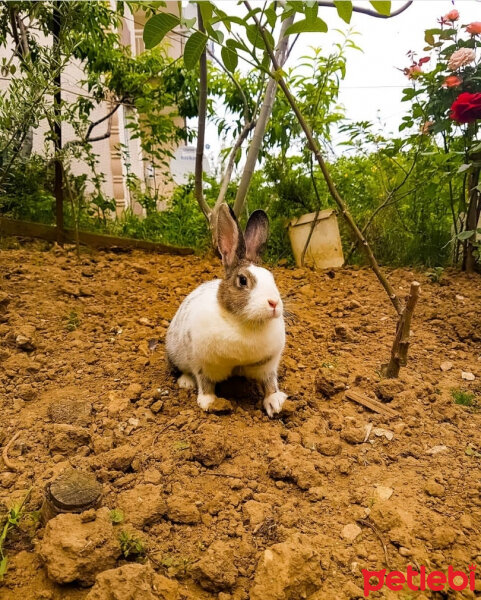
(229, 237)
(256, 234)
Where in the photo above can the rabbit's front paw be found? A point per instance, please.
(273, 403)
(186, 382)
(205, 401)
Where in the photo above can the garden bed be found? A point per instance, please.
(324, 486)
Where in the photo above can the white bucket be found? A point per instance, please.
(325, 247)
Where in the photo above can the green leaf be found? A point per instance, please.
(229, 58)
(158, 27)
(194, 47)
(465, 235)
(3, 567)
(311, 12)
(206, 9)
(304, 26)
(429, 38)
(255, 38)
(344, 9)
(464, 168)
(382, 7)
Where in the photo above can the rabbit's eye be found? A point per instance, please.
(242, 280)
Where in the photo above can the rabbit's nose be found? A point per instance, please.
(273, 303)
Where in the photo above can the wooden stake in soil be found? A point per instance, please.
(400, 347)
(72, 492)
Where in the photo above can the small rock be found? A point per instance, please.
(433, 488)
(117, 404)
(24, 339)
(329, 383)
(443, 537)
(181, 509)
(329, 445)
(221, 405)
(345, 333)
(143, 505)
(351, 531)
(387, 389)
(380, 432)
(437, 450)
(210, 446)
(446, 365)
(133, 581)
(353, 435)
(383, 493)
(118, 459)
(467, 375)
(68, 438)
(76, 551)
(157, 406)
(256, 512)
(317, 493)
(152, 476)
(288, 571)
(215, 571)
(139, 268)
(134, 391)
(306, 291)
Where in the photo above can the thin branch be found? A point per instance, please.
(199, 154)
(369, 12)
(264, 115)
(248, 127)
(99, 121)
(400, 347)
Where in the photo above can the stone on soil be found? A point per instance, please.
(143, 505)
(351, 531)
(215, 571)
(288, 571)
(210, 446)
(133, 582)
(76, 551)
(181, 509)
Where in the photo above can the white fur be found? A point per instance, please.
(204, 337)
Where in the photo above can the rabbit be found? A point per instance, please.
(233, 326)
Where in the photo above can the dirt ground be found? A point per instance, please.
(236, 505)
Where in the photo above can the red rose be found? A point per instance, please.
(466, 108)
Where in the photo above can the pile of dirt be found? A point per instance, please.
(233, 506)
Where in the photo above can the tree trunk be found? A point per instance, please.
(199, 154)
(57, 101)
(264, 115)
(474, 204)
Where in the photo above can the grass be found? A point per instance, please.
(72, 321)
(132, 547)
(12, 520)
(181, 445)
(463, 398)
(116, 516)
